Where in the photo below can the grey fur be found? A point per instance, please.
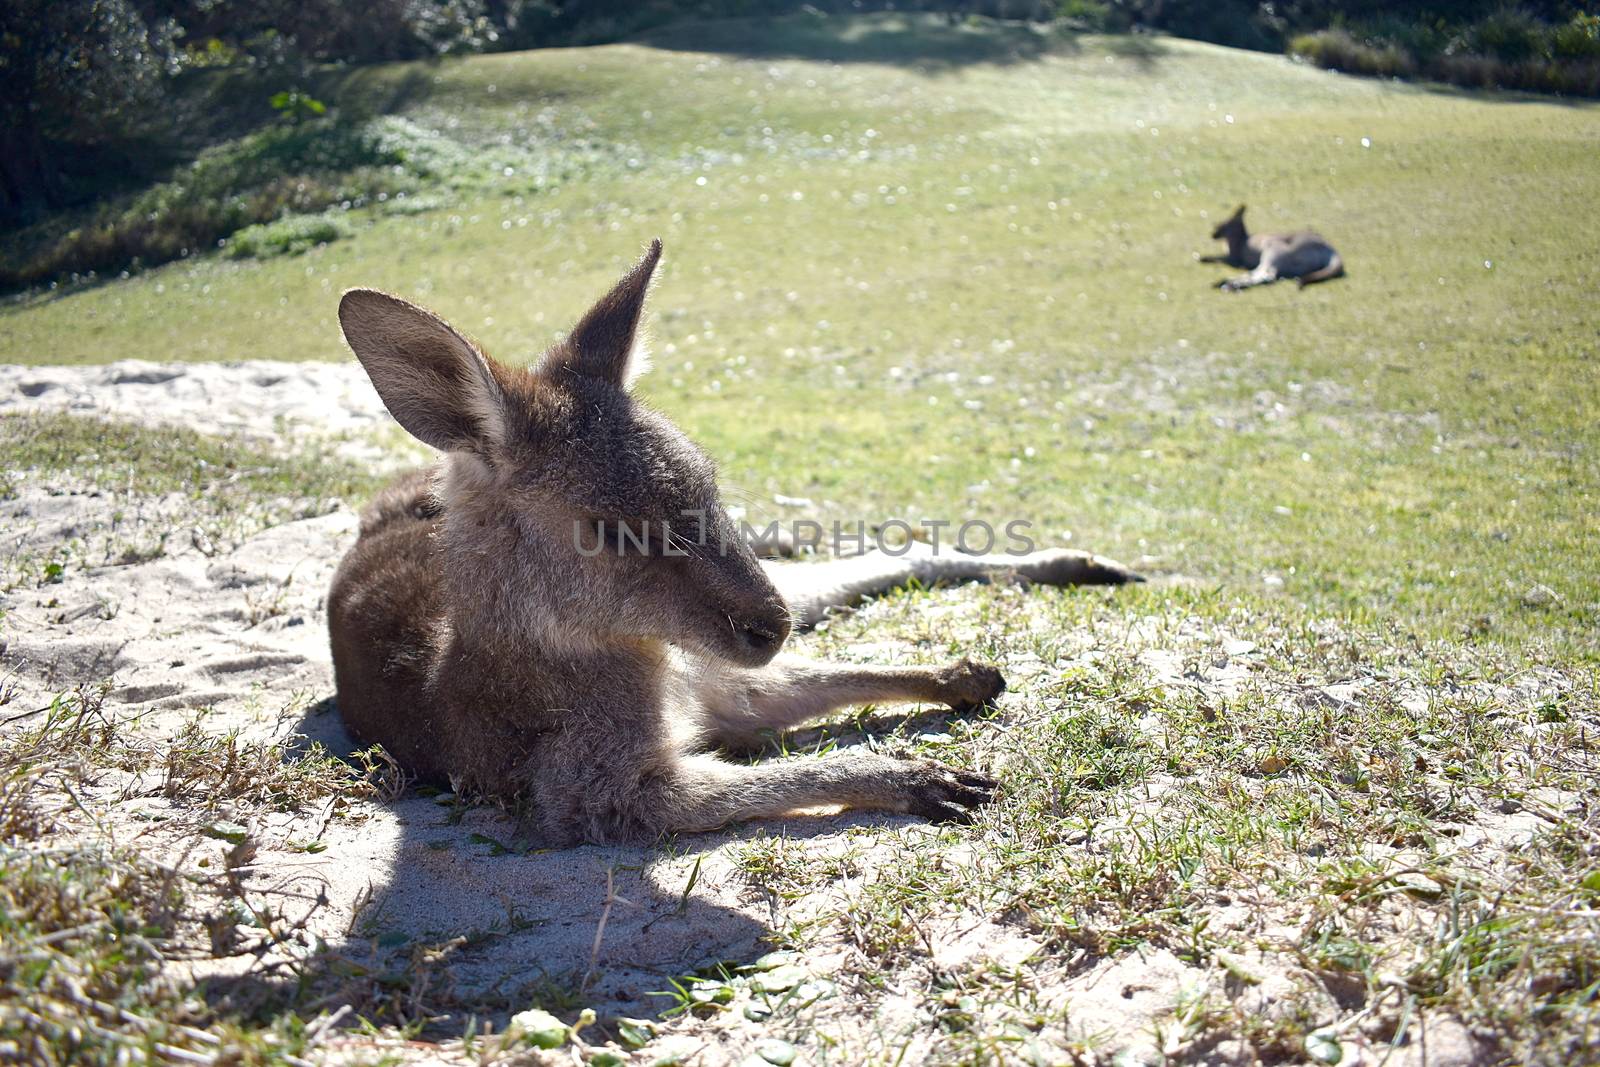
(475, 641)
(1302, 255)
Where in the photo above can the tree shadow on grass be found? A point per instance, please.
(926, 41)
(1480, 95)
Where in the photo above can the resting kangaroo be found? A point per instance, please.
(1270, 256)
(536, 618)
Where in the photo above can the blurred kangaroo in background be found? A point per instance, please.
(1269, 256)
(537, 618)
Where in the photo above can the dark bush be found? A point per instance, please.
(1510, 34)
(1540, 67)
(262, 177)
(1337, 50)
(1578, 39)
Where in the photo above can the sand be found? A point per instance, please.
(238, 632)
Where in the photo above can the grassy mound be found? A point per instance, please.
(1332, 759)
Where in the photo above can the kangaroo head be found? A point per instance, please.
(1234, 222)
(571, 511)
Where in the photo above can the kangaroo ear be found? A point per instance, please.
(603, 343)
(433, 381)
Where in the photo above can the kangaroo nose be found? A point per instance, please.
(764, 630)
(766, 636)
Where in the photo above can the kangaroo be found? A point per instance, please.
(536, 618)
(1304, 256)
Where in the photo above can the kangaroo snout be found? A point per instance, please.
(760, 635)
(764, 638)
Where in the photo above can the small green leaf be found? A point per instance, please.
(635, 1033)
(540, 1029)
(1324, 1047)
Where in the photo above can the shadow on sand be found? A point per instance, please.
(437, 910)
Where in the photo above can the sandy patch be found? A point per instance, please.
(235, 637)
(258, 399)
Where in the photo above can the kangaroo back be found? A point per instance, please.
(1270, 256)
(561, 611)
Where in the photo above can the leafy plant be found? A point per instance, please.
(295, 106)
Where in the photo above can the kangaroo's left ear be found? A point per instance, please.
(435, 382)
(606, 342)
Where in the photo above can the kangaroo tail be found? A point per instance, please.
(1334, 269)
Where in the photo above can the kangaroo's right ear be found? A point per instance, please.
(434, 381)
(605, 342)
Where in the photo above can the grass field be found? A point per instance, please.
(885, 285)
(922, 272)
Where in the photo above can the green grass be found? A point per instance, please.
(216, 491)
(145, 460)
(89, 926)
(1143, 805)
(1016, 238)
(951, 276)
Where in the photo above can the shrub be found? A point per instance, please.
(1510, 34)
(1337, 50)
(1578, 39)
(254, 180)
(1507, 49)
(1573, 78)
(286, 236)
(1092, 14)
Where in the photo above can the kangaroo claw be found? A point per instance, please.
(969, 686)
(947, 794)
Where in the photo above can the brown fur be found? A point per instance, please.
(1302, 255)
(475, 641)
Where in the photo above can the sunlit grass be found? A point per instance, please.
(951, 275)
(959, 289)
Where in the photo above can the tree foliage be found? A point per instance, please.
(76, 73)
(70, 71)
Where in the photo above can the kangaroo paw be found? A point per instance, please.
(945, 794)
(1065, 566)
(968, 686)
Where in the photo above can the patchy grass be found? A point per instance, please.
(1326, 835)
(158, 460)
(287, 236)
(169, 483)
(92, 928)
(1324, 788)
